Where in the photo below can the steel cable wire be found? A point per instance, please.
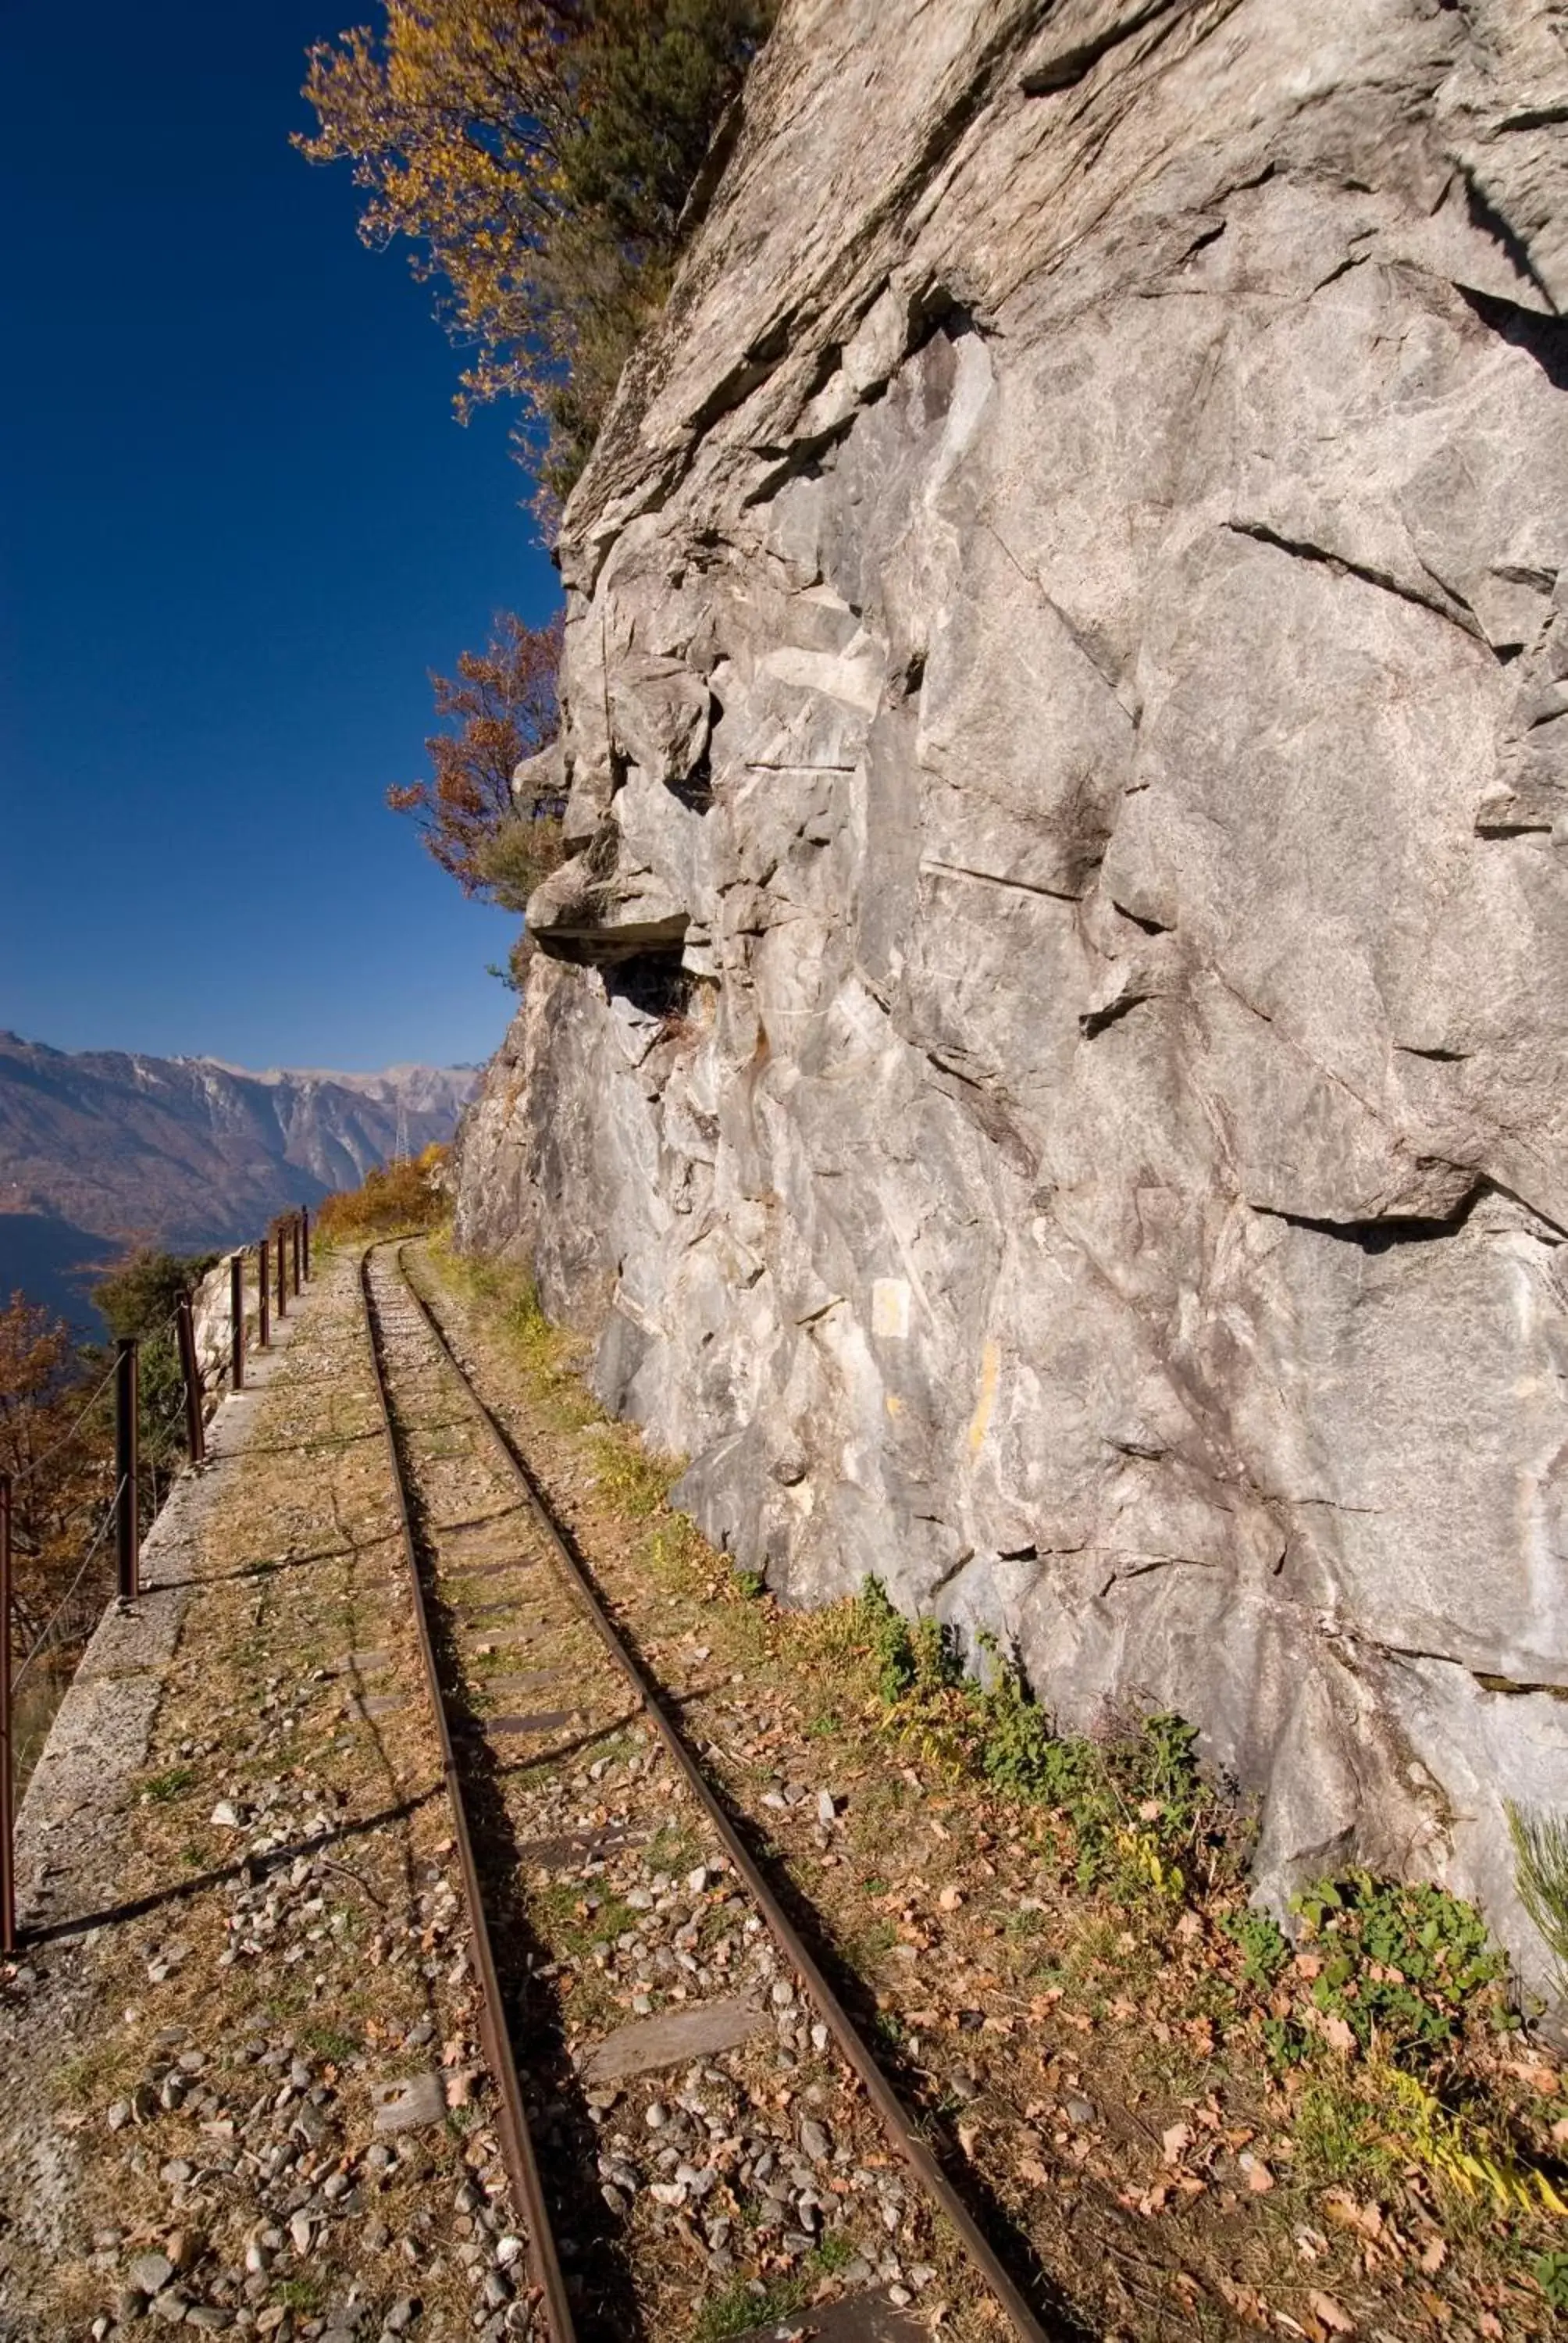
(60, 1608)
(28, 1471)
(67, 1437)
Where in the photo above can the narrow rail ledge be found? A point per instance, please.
(521, 2153)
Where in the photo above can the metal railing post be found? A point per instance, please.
(7, 1786)
(281, 1245)
(264, 1302)
(128, 1544)
(237, 1322)
(305, 1238)
(294, 1248)
(190, 1376)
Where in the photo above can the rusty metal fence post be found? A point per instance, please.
(281, 1243)
(264, 1300)
(237, 1322)
(190, 1376)
(294, 1247)
(128, 1544)
(7, 1786)
(304, 1239)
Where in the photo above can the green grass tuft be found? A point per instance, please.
(1540, 1870)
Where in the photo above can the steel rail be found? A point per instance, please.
(517, 2146)
(896, 2123)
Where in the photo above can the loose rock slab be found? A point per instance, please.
(858, 2318)
(408, 2104)
(672, 2039)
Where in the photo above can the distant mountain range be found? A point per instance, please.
(102, 1148)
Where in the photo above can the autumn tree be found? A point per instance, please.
(406, 1195)
(501, 707)
(539, 156)
(55, 1442)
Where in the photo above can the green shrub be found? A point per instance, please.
(1400, 1963)
(917, 1657)
(1265, 1948)
(1136, 1800)
(1020, 1753)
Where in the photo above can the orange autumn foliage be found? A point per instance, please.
(392, 1199)
(502, 706)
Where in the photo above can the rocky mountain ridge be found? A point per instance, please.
(97, 1146)
(1046, 1074)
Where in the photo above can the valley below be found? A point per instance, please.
(103, 1149)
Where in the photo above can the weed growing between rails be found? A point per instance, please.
(1197, 2119)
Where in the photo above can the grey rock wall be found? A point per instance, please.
(1046, 1076)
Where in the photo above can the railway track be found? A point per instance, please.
(690, 2120)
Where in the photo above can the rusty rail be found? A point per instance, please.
(517, 2146)
(857, 2053)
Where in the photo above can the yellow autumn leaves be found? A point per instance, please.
(538, 154)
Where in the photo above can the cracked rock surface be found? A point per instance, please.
(1045, 1076)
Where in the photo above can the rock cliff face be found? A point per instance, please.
(1047, 1077)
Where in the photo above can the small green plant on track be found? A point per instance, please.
(332, 2042)
(298, 2294)
(738, 2310)
(673, 1849)
(161, 1789)
(836, 2250)
(746, 2306)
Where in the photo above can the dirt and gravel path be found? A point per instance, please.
(239, 2057)
(1099, 2058)
(702, 2138)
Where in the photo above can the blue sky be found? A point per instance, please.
(238, 525)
